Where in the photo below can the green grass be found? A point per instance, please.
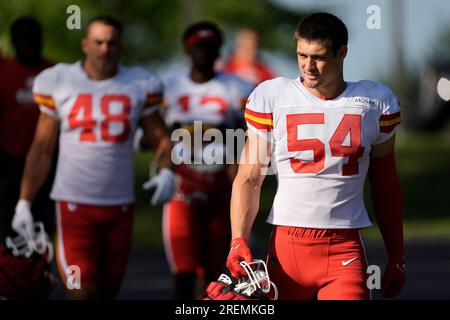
(147, 223)
(438, 228)
(424, 168)
(423, 162)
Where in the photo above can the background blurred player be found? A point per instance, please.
(196, 222)
(245, 61)
(18, 118)
(323, 133)
(96, 105)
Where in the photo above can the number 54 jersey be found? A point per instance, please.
(321, 148)
(97, 122)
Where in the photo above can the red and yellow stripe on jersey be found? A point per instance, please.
(153, 99)
(45, 100)
(259, 120)
(388, 122)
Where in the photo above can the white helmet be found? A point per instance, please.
(257, 280)
(21, 246)
(255, 285)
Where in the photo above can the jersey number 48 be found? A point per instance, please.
(83, 105)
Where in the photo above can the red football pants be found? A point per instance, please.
(323, 264)
(97, 239)
(197, 235)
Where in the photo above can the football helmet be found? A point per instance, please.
(22, 246)
(25, 266)
(256, 285)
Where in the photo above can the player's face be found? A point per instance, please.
(203, 55)
(102, 47)
(317, 63)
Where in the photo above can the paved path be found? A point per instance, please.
(428, 272)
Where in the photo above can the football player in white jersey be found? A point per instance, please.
(96, 106)
(323, 135)
(196, 225)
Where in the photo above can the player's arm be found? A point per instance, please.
(37, 167)
(246, 190)
(157, 135)
(155, 131)
(245, 198)
(387, 198)
(40, 157)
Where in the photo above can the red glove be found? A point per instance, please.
(220, 291)
(394, 277)
(239, 251)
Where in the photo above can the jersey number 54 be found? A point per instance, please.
(350, 124)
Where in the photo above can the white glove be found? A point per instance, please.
(23, 222)
(164, 182)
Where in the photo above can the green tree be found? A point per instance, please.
(153, 28)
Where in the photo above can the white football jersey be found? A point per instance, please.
(216, 102)
(321, 148)
(97, 123)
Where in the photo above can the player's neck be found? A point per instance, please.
(201, 76)
(330, 91)
(96, 74)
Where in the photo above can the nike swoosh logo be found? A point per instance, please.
(346, 263)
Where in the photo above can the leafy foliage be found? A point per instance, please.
(153, 28)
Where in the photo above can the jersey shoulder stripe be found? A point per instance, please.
(389, 121)
(45, 100)
(153, 99)
(259, 120)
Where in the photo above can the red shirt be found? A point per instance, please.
(254, 72)
(18, 112)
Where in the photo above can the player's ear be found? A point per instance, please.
(342, 52)
(84, 45)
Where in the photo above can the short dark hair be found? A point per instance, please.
(25, 26)
(200, 26)
(323, 27)
(108, 20)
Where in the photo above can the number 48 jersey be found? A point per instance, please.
(321, 148)
(97, 122)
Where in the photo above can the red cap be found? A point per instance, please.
(203, 35)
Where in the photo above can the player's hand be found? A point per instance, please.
(239, 251)
(22, 221)
(164, 182)
(394, 277)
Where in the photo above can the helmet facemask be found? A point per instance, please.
(24, 246)
(257, 282)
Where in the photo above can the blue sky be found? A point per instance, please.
(370, 51)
